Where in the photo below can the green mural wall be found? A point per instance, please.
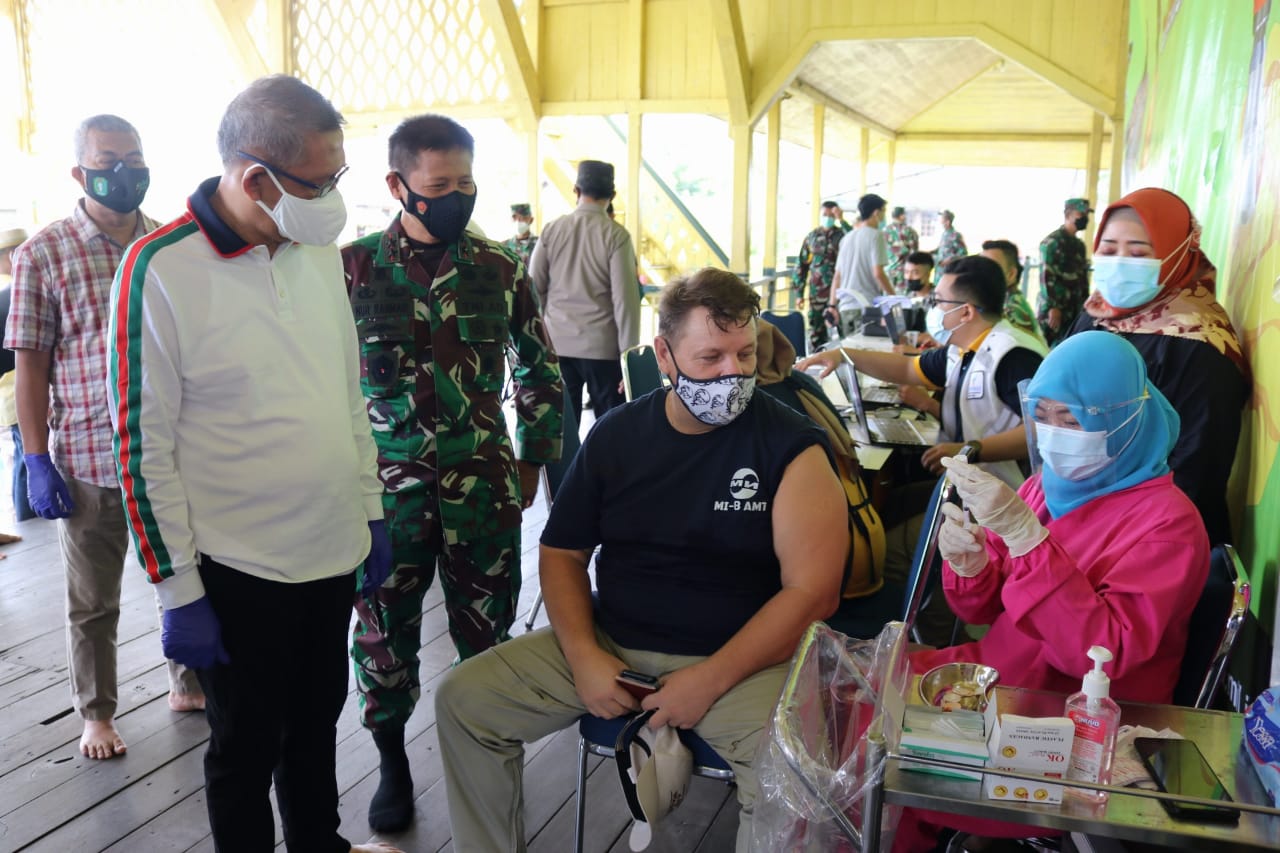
(1203, 98)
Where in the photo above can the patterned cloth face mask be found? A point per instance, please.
(714, 402)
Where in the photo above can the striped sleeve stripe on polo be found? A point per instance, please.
(126, 386)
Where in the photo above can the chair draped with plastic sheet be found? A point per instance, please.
(553, 475)
(1213, 628)
(640, 373)
(791, 324)
(864, 618)
(598, 736)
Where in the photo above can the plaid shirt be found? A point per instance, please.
(61, 293)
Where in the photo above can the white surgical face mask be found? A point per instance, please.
(933, 324)
(1072, 454)
(314, 221)
(715, 402)
(1075, 454)
(522, 227)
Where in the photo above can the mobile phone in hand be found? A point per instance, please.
(638, 684)
(1178, 767)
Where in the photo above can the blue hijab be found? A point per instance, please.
(1103, 372)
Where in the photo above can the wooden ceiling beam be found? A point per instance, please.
(817, 96)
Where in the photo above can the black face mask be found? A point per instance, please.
(445, 217)
(121, 188)
(1081, 222)
(915, 284)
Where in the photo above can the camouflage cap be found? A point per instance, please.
(595, 173)
(899, 211)
(522, 209)
(946, 214)
(1079, 204)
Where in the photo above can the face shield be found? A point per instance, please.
(1079, 442)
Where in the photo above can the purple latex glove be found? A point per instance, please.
(191, 635)
(46, 490)
(377, 566)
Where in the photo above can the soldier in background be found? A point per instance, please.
(902, 240)
(951, 244)
(436, 309)
(1064, 274)
(524, 241)
(815, 269)
(1017, 310)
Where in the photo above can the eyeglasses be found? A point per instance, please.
(933, 301)
(321, 190)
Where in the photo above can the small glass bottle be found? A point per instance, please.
(1097, 720)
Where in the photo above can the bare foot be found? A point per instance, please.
(375, 847)
(9, 538)
(186, 701)
(101, 740)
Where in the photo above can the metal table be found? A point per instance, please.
(1126, 816)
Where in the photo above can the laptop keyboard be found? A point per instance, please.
(881, 394)
(895, 430)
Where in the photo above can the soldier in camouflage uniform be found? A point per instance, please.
(815, 268)
(950, 245)
(902, 240)
(436, 309)
(1064, 272)
(524, 241)
(1017, 310)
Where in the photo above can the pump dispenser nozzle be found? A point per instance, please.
(1096, 683)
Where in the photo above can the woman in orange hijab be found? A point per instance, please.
(1154, 287)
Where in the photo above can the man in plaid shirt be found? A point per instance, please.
(58, 328)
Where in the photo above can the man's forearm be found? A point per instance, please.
(566, 590)
(1010, 444)
(883, 280)
(31, 395)
(885, 366)
(769, 637)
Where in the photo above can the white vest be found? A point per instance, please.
(982, 412)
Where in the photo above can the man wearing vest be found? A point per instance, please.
(723, 534)
(978, 364)
(436, 311)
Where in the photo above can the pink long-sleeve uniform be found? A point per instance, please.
(1122, 571)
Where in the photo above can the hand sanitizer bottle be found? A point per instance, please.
(1097, 719)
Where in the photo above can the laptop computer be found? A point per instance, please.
(881, 428)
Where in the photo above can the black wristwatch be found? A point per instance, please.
(975, 450)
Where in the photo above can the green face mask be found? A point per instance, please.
(828, 222)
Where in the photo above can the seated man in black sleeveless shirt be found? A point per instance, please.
(723, 534)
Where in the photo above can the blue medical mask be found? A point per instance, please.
(828, 222)
(1126, 282)
(933, 324)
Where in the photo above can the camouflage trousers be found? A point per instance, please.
(481, 582)
(818, 332)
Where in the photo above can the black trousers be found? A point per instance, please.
(273, 710)
(602, 376)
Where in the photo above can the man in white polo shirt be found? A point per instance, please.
(247, 462)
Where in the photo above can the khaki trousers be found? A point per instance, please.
(93, 542)
(490, 706)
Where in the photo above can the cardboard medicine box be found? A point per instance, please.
(1040, 745)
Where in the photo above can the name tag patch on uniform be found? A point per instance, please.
(977, 385)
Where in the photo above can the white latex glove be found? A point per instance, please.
(962, 544)
(996, 506)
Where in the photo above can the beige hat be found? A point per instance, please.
(12, 237)
(654, 767)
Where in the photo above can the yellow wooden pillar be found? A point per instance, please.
(819, 142)
(770, 251)
(893, 164)
(1092, 171)
(26, 124)
(533, 176)
(740, 243)
(1117, 160)
(864, 157)
(635, 159)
